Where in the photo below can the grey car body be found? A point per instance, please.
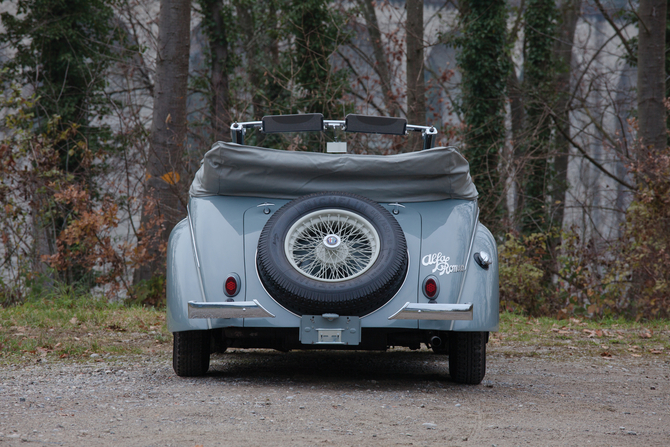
(236, 192)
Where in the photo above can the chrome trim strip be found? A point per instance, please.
(197, 260)
(233, 309)
(467, 259)
(425, 311)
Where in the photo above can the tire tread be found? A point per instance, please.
(190, 354)
(467, 357)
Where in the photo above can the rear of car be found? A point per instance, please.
(296, 250)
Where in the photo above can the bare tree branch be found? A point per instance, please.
(588, 157)
(624, 41)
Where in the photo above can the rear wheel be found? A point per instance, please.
(190, 354)
(467, 357)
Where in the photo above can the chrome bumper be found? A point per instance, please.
(233, 309)
(414, 311)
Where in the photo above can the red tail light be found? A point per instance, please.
(431, 287)
(232, 285)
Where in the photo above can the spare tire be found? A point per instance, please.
(332, 252)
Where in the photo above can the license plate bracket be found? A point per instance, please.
(333, 330)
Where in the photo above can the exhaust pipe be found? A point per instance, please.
(435, 341)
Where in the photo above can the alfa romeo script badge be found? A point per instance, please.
(441, 264)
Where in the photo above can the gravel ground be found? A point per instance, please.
(260, 397)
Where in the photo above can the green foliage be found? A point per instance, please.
(63, 48)
(149, 292)
(483, 60)
(522, 271)
(262, 35)
(279, 61)
(221, 35)
(581, 280)
(540, 33)
(317, 32)
(61, 53)
(647, 237)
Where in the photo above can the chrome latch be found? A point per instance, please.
(483, 259)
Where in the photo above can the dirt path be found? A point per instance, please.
(323, 398)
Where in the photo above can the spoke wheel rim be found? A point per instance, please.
(310, 248)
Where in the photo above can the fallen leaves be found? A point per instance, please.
(606, 355)
(593, 333)
(646, 333)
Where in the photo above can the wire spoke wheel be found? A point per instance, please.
(332, 245)
(332, 252)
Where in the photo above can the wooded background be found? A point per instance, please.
(558, 105)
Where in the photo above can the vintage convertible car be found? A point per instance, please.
(311, 250)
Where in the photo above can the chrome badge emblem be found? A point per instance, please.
(441, 264)
(331, 241)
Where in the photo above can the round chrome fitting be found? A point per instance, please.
(483, 259)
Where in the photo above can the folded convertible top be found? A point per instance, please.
(231, 169)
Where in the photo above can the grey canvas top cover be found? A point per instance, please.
(231, 169)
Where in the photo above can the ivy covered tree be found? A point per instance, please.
(538, 83)
(63, 49)
(316, 30)
(218, 28)
(484, 63)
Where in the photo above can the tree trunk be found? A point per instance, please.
(569, 15)
(485, 67)
(381, 67)
(218, 46)
(416, 84)
(652, 132)
(651, 76)
(518, 118)
(247, 23)
(538, 65)
(164, 205)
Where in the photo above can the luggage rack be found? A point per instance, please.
(314, 122)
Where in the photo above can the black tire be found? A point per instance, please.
(190, 354)
(355, 296)
(467, 357)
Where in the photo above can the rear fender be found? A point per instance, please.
(481, 287)
(182, 280)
